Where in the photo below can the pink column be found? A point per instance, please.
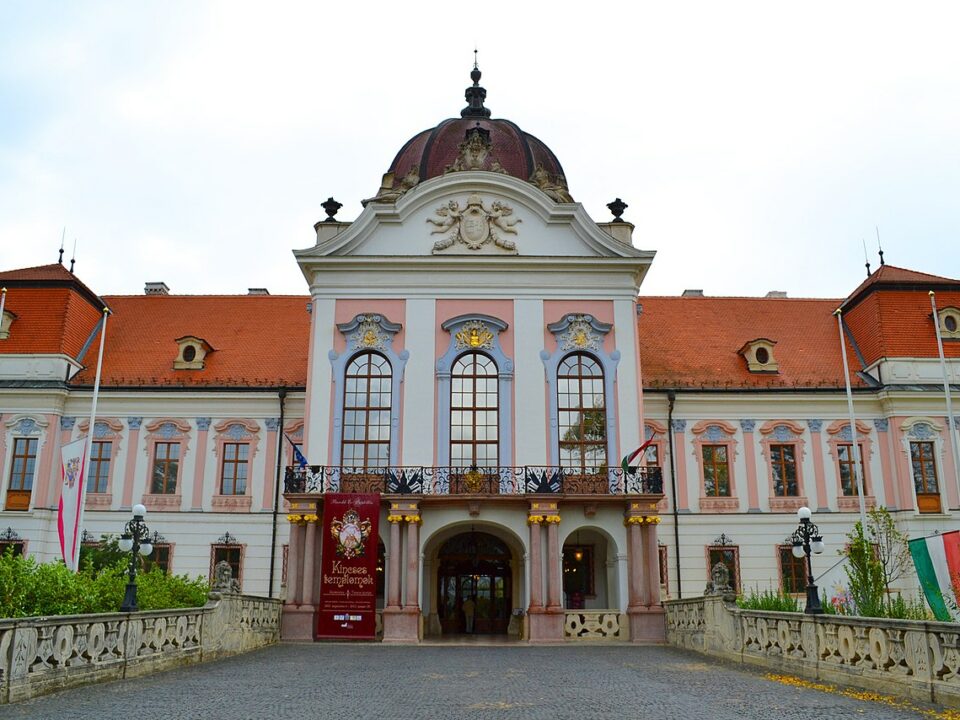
(294, 567)
(47, 493)
(393, 585)
(413, 565)
(680, 457)
(553, 566)
(636, 588)
(651, 557)
(883, 444)
(949, 471)
(309, 562)
(750, 460)
(133, 447)
(203, 427)
(536, 565)
(817, 449)
(270, 468)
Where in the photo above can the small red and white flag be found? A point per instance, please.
(72, 472)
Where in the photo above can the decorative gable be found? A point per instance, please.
(192, 352)
(759, 356)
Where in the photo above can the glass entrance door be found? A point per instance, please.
(474, 567)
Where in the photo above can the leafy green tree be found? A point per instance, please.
(864, 573)
(891, 548)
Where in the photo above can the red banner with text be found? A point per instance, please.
(348, 567)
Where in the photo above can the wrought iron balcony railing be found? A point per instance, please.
(522, 480)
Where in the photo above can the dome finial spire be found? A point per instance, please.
(475, 95)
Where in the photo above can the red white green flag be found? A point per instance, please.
(625, 463)
(937, 561)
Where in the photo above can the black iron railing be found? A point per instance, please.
(521, 480)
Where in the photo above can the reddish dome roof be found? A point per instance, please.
(474, 141)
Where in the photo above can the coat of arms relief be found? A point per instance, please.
(474, 225)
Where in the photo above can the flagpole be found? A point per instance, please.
(90, 429)
(3, 301)
(952, 429)
(857, 469)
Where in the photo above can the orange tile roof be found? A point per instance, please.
(260, 341)
(890, 275)
(693, 342)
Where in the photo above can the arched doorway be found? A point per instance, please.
(474, 565)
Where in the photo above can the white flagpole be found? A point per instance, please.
(3, 301)
(90, 428)
(952, 429)
(857, 468)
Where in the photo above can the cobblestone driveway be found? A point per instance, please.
(351, 682)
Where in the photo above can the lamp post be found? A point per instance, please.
(135, 540)
(807, 539)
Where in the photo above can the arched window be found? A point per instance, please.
(366, 412)
(582, 415)
(474, 412)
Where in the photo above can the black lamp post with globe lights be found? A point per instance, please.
(135, 540)
(807, 539)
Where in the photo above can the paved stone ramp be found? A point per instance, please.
(350, 682)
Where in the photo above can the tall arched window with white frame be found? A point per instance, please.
(581, 413)
(474, 411)
(367, 403)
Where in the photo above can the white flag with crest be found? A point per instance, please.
(71, 501)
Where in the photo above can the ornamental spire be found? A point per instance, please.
(475, 95)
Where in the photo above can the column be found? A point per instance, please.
(419, 381)
(130, 466)
(393, 574)
(750, 460)
(294, 567)
(270, 467)
(319, 381)
(536, 565)
(680, 459)
(413, 562)
(636, 587)
(651, 556)
(553, 563)
(529, 386)
(816, 443)
(890, 499)
(309, 560)
(203, 428)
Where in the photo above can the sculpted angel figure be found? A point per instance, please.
(555, 188)
(451, 216)
(498, 215)
(391, 191)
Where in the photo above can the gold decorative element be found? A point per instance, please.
(474, 225)
(394, 518)
(473, 478)
(412, 518)
(653, 519)
(392, 190)
(579, 335)
(294, 518)
(310, 518)
(641, 519)
(535, 519)
(369, 334)
(474, 334)
(552, 519)
(555, 186)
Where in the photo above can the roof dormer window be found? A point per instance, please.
(6, 320)
(949, 320)
(193, 351)
(759, 356)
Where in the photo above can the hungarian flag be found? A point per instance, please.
(72, 473)
(630, 457)
(937, 560)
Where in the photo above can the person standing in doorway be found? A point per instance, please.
(469, 610)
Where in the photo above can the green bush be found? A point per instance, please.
(864, 574)
(29, 588)
(769, 600)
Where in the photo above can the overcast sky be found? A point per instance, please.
(757, 144)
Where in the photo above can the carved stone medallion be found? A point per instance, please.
(474, 225)
(474, 335)
(580, 336)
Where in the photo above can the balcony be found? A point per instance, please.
(522, 480)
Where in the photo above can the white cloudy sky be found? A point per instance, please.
(757, 144)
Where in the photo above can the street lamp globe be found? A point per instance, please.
(140, 510)
(797, 550)
(804, 513)
(126, 542)
(816, 544)
(146, 548)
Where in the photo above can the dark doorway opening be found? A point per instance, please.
(475, 566)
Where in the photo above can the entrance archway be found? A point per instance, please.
(474, 566)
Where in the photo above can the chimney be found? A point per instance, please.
(156, 288)
(777, 294)
(693, 293)
(257, 291)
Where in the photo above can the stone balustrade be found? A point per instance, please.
(595, 625)
(920, 660)
(40, 655)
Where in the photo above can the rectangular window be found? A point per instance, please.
(783, 468)
(233, 476)
(845, 461)
(100, 455)
(729, 555)
(13, 546)
(651, 457)
(925, 477)
(160, 557)
(716, 471)
(233, 555)
(24, 463)
(166, 462)
(793, 571)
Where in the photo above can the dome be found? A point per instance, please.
(473, 141)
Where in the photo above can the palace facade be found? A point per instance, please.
(477, 349)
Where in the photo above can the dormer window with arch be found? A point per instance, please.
(759, 356)
(949, 321)
(192, 352)
(6, 320)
